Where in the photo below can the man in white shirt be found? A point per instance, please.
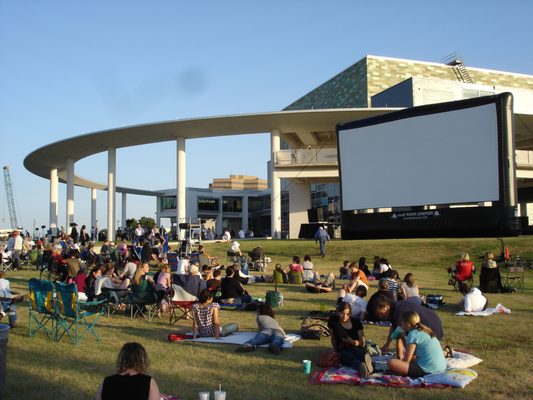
(139, 232)
(17, 249)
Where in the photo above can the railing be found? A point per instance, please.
(295, 157)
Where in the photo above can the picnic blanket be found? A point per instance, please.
(242, 337)
(454, 377)
(499, 309)
(459, 359)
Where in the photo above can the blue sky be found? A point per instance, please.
(71, 67)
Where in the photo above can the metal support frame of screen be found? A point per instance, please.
(498, 219)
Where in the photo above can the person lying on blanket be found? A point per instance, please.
(205, 318)
(269, 332)
(388, 310)
(348, 340)
(423, 354)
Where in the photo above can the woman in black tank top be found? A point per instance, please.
(130, 382)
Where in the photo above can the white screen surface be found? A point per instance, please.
(444, 158)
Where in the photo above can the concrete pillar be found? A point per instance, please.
(54, 195)
(523, 209)
(70, 194)
(275, 186)
(218, 221)
(158, 211)
(244, 223)
(299, 202)
(93, 208)
(180, 183)
(124, 210)
(111, 186)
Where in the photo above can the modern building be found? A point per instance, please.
(303, 170)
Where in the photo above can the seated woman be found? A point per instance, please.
(295, 270)
(422, 355)
(90, 282)
(108, 286)
(279, 275)
(463, 269)
(392, 279)
(307, 265)
(269, 332)
(409, 289)
(344, 271)
(473, 300)
(206, 322)
(348, 340)
(364, 267)
(490, 280)
(130, 381)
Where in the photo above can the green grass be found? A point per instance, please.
(41, 369)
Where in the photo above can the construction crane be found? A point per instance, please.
(10, 198)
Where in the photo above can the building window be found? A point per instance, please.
(232, 204)
(208, 204)
(168, 203)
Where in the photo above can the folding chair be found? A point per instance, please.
(7, 264)
(42, 312)
(142, 300)
(180, 304)
(75, 319)
(513, 277)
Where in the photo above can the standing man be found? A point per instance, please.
(17, 249)
(321, 236)
(139, 232)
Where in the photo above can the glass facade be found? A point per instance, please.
(231, 204)
(327, 196)
(168, 203)
(208, 204)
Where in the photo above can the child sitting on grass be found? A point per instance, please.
(422, 355)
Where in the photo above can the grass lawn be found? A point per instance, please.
(38, 368)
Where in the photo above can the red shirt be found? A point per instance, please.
(464, 270)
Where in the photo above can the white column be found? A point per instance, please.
(523, 209)
(275, 186)
(158, 211)
(70, 194)
(180, 183)
(93, 208)
(123, 210)
(54, 194)
(244, 223)
(111, 186)
(300, 201)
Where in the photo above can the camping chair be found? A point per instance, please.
(7, 264)
(513, 276)
(142, 300)
(35, 258)
(180, 304)
(173, 259)
(232, 257)
(295, 277)
(453, 281)
(42, 313)
(75, 318)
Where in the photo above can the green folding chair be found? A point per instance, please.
(42, 313)
(76, 318)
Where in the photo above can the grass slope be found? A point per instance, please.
(40, 369)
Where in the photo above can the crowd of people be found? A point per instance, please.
(114, 271)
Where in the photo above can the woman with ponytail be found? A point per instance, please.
(423, 354)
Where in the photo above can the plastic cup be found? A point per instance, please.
(220, 395)
(307, 367)
(203, 396)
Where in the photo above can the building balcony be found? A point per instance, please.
(301, 157)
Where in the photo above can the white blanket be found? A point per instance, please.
(499, 309)
(243, 337)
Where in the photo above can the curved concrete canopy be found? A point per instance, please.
(306, 124)
(306, 127)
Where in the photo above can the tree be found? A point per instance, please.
(147, 222)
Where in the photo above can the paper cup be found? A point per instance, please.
(307, 366)
(203, 396)
(220, 395)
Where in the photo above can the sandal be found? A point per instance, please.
(448, 352)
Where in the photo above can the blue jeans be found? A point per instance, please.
(322, 246)
(352, 357)
(262, 338)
